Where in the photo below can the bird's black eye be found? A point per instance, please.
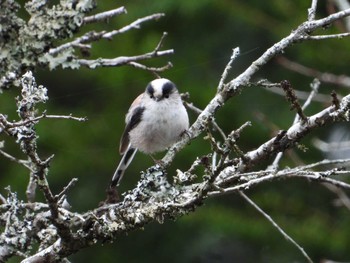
(168, 88)
(150, 91)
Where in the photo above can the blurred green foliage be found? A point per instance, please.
(203, 34)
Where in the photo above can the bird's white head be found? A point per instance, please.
(160, 89)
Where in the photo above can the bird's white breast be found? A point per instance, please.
(162, 125)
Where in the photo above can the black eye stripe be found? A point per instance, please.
(168, 88)
(150, 89)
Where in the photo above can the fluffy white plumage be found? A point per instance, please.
(155, 120)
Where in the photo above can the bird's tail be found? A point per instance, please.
(123, 164)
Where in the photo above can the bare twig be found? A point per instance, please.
(315, 85)
(343, 5)
(302, 95)
(325, 162)
(67, 117)
(343, 198)
(260, 177)
(331, 36)
(325, 77)
(43, 116)
(88, 37)
(105, 15)
(275, 225)
(213, 122)
(66, 188)
(235, 54)
(14, 159)
(232, 138)
(95, 36)
(152, 69)
(120, 61)
(8, 126)
(160, 43)
(134, 25)
(312, 10)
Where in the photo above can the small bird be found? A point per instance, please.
(156, 119)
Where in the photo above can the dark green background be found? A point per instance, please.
(203, 33)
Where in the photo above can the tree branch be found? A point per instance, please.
(325, 77)
(105, 15)
(227, 169)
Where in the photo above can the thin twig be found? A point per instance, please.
(275, 164)
(340, 80)
(42, 116)
(342, 5)
(275, 225)
(152, 69)
(235, 54)
(343, 198)
(88, 37)
(234, 136)
(67, 188)
(95, 36)
(160, 43)
(134, 25)
(315, 85)
(312, 10)
(302, 95)
(198, 111)
(309, 175)
(105, 15)
(14, 159)
(67, 117)
(324, 162)
(120, 61)
(323, 37)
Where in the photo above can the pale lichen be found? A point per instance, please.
(24, 44)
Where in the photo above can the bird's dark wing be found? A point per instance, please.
(134, 120)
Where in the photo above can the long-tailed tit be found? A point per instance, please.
(155, 120)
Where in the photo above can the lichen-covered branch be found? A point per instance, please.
(26, 45)
(24, 133)
(59, 232)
